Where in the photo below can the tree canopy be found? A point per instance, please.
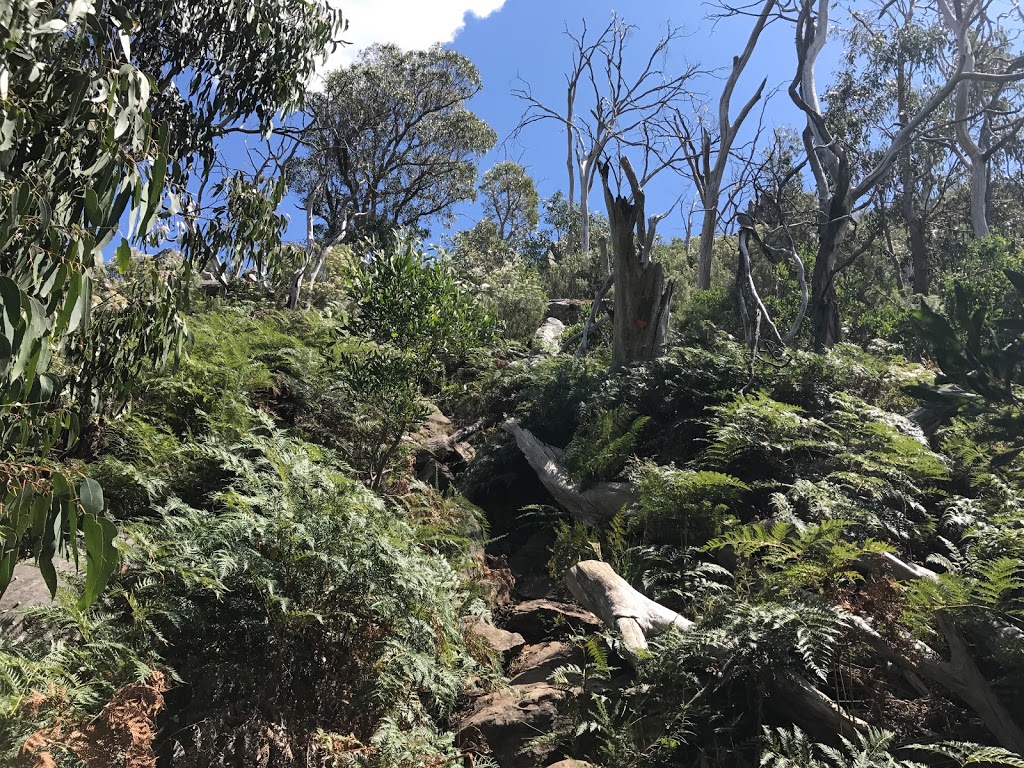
(390, 143)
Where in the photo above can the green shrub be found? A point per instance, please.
(515, 298)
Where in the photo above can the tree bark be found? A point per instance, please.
(642, 294)
(600, 590)
(705, 257)
(596, 504)
(824, 304)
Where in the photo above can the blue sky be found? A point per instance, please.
(524, 39)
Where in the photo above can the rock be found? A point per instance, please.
(538, 620)
(500, 641)
(436, 426)
(569, 311)
(571, 764)
(537, 662)
(548, 338)
(506, 723)
(27, 589)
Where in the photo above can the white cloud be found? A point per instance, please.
(409, 24)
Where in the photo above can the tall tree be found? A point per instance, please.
(618, 107)
(839, 185)
(989, 99)
(510, 200)
(390, 143)
(109, 109)
(891, 61)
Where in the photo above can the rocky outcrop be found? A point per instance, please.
(502, 642)
(548, 338)
(506, 723)
(540, 619)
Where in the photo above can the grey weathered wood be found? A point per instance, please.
(597, 587)
(598, 503)
(636, 617)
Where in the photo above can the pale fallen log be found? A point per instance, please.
(901, 570)
(596, 504)
(597, 587)
(600, 590)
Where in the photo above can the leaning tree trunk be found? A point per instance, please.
(642, 293)
(979, 197)
(824, 305)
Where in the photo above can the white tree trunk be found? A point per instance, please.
(596, 504)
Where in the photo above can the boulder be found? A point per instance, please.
(506, 723)
(571, 764)
(569, 311)
(548, 338)
(500, 641)
(536, 663)
(543, 619)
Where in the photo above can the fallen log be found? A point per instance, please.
(597, 587)
(890, 564)
(959, 674)
(591, 506)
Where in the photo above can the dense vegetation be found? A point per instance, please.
(276, 489)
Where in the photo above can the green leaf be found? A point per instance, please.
(123, 256)
(10, 294)
(90, 496)
(101, 556)
(8, 556)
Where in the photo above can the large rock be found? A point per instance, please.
(571, 764)
(500, 641)
(537, 662)
(548, 338)
(538, 620)
(506, 723)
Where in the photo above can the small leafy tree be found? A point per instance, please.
(412, 319)
(95, 132)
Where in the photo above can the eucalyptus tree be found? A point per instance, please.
(510, 200)
(989, 99)
(840, 185)
(106, 111)
(390, 143)
(891, 61)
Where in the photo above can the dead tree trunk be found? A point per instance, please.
(960, 675)
(642, 293)
(712, 174)
(597, 587)
(596, 504)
